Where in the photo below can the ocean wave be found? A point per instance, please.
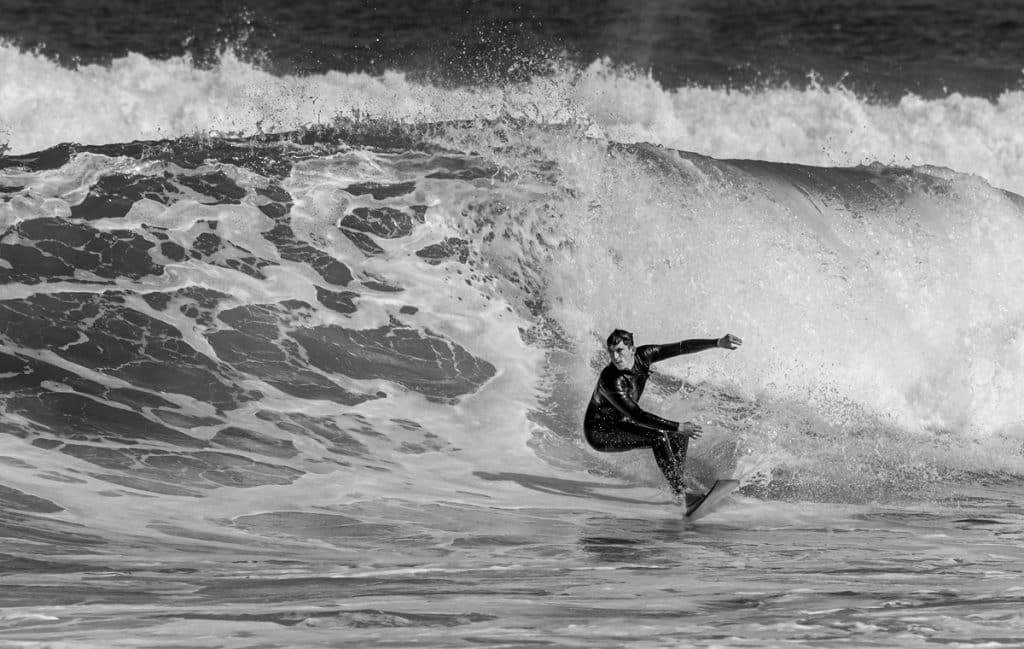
(137, 98)
(198, 313)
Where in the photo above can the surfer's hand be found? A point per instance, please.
(729, 341)
(690, 430)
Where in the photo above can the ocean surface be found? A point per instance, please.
(301, 304)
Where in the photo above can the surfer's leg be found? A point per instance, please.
(613, 437)
(679, 445)
(670, 456)
(669, 449)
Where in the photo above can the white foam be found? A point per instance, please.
(897, 310)
(43, 104)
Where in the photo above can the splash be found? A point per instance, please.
(880, 300)
(135, 98)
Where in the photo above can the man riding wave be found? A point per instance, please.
(614, 420)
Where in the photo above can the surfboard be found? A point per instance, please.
(710, 500)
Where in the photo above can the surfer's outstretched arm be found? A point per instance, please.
(657, 353)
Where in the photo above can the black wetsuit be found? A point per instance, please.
(615, 421)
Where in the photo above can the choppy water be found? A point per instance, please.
(300, 359)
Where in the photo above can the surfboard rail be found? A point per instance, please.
(707, 503)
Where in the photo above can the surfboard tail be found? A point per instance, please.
(706, 504)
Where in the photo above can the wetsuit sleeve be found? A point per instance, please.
(617, 394)
(655, 353)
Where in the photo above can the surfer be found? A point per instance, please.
(615, 421)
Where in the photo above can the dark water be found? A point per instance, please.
(880, 49)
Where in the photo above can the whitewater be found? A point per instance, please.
(44, 104)
(302, 360)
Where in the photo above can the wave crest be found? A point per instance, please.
(136, 98)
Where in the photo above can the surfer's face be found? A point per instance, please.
(621, 355)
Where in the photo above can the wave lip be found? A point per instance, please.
(136, 98)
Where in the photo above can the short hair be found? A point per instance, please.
(620, 336)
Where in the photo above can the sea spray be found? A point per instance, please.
(137, 98)
(866, 296)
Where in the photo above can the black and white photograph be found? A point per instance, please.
(500, 325)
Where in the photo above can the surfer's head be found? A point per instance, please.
(620, 349)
